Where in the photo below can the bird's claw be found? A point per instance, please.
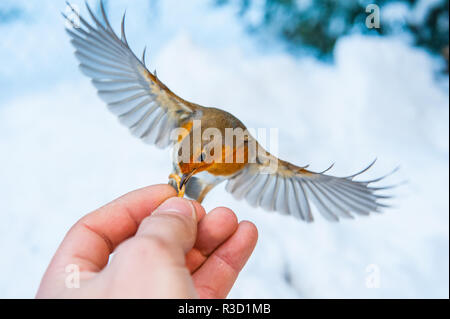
(177, 180)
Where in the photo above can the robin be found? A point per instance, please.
(153, 112)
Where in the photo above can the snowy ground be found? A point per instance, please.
(62, 154)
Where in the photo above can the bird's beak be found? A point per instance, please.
(186, 177)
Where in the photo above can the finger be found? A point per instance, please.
(90, 241)
(217, 275)
(174, 223)
(199, 209)
(212, 231)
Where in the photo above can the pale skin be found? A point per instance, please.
(164, 247)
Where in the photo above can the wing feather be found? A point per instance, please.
(140, 100)
(292, 189)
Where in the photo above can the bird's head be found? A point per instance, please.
(215, 157)
(197, 163)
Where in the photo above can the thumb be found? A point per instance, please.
(173, 224)
(155, 256)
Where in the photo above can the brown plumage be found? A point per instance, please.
(152, 111)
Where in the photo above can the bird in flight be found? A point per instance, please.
(152, 112)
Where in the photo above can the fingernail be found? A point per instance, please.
(179, 206)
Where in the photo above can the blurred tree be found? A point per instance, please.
(317, 24)
(433, 32)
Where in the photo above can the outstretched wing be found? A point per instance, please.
(290, 189)
(142, 102)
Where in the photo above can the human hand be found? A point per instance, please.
(164, 247)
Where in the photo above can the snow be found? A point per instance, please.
(63, 155)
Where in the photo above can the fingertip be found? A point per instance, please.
(225, 212)
(147, 199)
(199, 209)
(250, 229)
(178, 205)
(215, 228)
(164, 189)
(174, 223)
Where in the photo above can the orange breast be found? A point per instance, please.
(232, 161)
(237, 159)
(225, 167)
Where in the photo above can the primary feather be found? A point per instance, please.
(134, 94)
